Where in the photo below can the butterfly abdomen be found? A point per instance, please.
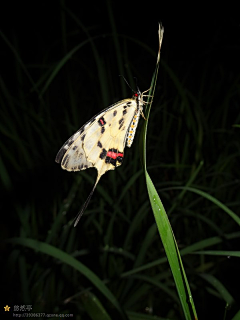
(132, 129)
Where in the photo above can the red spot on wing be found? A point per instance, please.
(102, 123)
(114, 155)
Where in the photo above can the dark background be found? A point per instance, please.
(199, 69)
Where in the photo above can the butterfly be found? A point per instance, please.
(101, 141)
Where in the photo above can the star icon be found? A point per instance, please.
(7, 308)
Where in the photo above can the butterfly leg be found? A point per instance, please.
(145, 95)
(142, 114)
(146, 91)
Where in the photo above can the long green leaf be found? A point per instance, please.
(69, 260)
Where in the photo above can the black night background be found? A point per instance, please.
(59, 66)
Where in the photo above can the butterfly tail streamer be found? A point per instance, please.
(84, 207)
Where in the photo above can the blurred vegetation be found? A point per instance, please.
(113, 265)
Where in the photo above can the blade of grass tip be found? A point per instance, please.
(162, 221)
(150, 100)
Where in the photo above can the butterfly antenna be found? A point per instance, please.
(80, 213)
(138, 90)
(126, 82)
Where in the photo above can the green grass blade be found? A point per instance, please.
(94, 307)
(188, 250)
(162, 221)
(17, 56)
(237, 316)
(71, 261)
(141, 316)
(61, 63)
(221, 289)
(215, 201)
(172, 252)
(220, 253)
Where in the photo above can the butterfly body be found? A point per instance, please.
(101, 141)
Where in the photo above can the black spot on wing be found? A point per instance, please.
(119, 159)
(124, 112)
(99, 144)
(70, 142)
(101, 121)
(129, 104)
(112, 161)
(102, 130)
(121, 122)
(111, 157)
(103, 154)
(114, 113)
(75, 147)
(65, 161)
(83, 137)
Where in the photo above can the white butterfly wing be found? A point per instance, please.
(100, 142)
(105, 131)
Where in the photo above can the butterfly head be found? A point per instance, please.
(137, 94)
